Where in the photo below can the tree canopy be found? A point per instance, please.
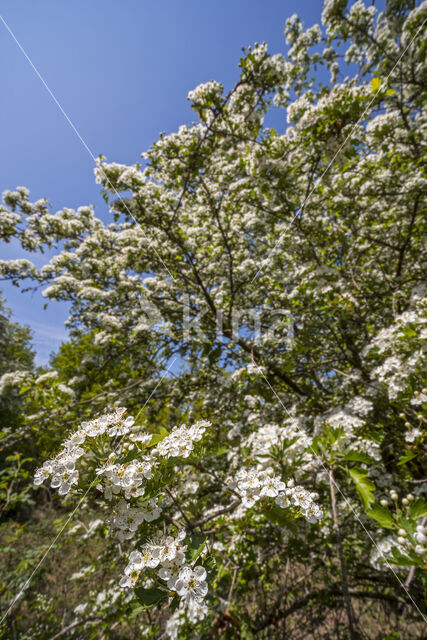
(257, 303)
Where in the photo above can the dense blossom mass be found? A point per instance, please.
(257, 300)
(174, 569)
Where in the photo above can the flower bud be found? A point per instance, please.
(410, 497)
(401, 540)
(405, 501)
(419, 549)
(402, 533)
(420, 538)
(384, 503)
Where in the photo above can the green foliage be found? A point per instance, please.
(148, 597)
(382, 516)
(364, 486)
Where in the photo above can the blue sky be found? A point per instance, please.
(121, 71)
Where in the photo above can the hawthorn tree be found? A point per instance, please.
(278, 488)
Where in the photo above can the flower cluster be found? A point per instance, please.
(123, 482)
(127, 519)
(166, 554)
(417, 541)
(62, 467)
(403, 543)
(114, 424)
(166, 558)
(125, 477)
(255, 483)
(193, 610)
(179, 443)
(273, 435)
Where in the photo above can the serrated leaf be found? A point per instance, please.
(364, 486)
(221, 451)
(318, 445)
(157, 437)
(131, 455)
(196, 545)
(357, 456)
(148, 597)
(400, 559)
(382, 516)
(209, 563)
(418, 509)
(279, 516)
(197, 539)
(174, 604)
(409, 455)
(136, 611)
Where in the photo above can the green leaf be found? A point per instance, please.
(332, 434)
(148, 597)
(375, 84)
(364, 486)
(209, 563)
(418, 509)
(245, 632)
(318, 446)
(408, 525)
(136, 611)
(174, 604)
(382, 516)
(280, 516)
(221, 451)
(131, 455)
(357, 456)
(196, 545)
(157, 437)
(197, 539)
(407, 456)
(400, 559)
